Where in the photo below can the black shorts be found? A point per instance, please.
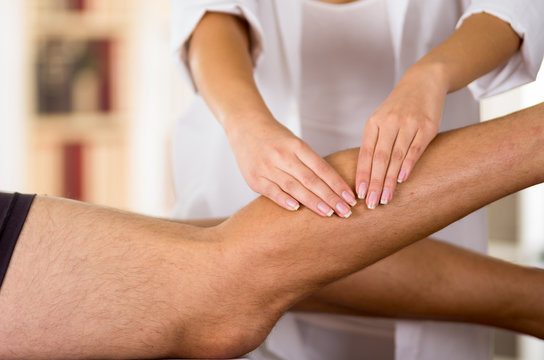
(13, 211)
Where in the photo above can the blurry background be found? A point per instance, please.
(89, 94)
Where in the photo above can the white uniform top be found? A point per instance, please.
(347, 71)
(208, 181)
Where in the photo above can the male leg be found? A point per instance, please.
(88, 282)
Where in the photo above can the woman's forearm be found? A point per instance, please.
(479, 45)
(221, 65)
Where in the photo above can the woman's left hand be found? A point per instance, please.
(398, 132)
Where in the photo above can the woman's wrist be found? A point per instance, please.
(244, 122)
(433, 74)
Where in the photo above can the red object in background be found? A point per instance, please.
(77, 5)
(73, 171)
(103, 54)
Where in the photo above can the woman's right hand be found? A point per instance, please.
(273, 161)
(282, 167)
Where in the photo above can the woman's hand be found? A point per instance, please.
(398, 132)
(282, 167)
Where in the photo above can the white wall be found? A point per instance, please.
(156, 102)
(12, 95)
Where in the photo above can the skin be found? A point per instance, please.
(282, 167)
(90, 282)
(400, 129)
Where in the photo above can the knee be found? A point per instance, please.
(223, 340)
(221, 312)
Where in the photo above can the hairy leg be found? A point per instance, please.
(87, 282)
(92, 283)
(434, 280)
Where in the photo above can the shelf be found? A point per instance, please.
(82, 26)
(79, 126)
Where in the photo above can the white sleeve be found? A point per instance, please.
(526, 18)
(186, 14)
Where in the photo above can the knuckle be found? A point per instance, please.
(429, 125)
(297, 145)
(412, 123)
(331, 198)
(253, 182)
(416, 149)
(390, 182)
(261, 189)
(322, 167)
(408, 163)
(366, 151)
(277, 154)
(395, 119)
(309, 180)
(377, 180)
(362, 175)
(373, 120)
(289, 185)
(381, 156)
(397, 154)
(337, 185)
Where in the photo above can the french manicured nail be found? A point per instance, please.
(325, 209)
(372, 200)
(292, 204)
(350, 199)
(361, 192)
(402, 176)
(343, 210)
(386, 196)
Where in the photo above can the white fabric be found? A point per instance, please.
(193, 12)
(333, 116)
(208, 181)
(523, 67)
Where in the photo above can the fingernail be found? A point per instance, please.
(292, 204)
(325, 209)
(372, 200)
(386, 196)
(343, 210)
(361, 193)
(402, 176)
(350, 199)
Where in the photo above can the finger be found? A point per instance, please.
(324, 171)
(364, 162)
(310, 181)
(400, 149)
(380, 162)
(292, 186)
(276, 194)
(419, 144)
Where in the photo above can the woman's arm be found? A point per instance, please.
(481, 44)
(399, 131)
(273, 161)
